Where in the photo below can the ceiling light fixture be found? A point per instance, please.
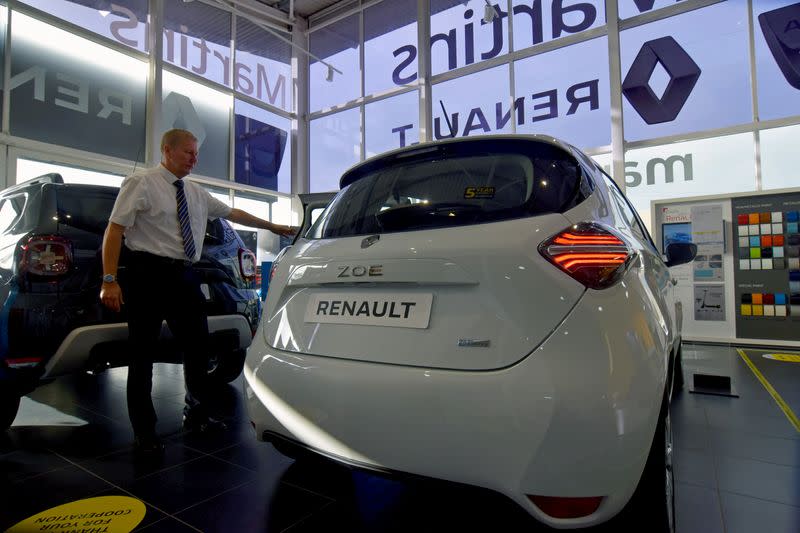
(489, 12)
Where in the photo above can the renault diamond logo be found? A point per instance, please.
(683, 74)
(781, 29)
(178, 112)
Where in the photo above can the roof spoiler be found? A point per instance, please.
(52, 177)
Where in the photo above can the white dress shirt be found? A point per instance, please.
(147, 208)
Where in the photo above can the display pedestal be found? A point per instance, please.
(712, 384)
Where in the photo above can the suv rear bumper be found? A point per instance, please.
(575, 418)
(75, 350)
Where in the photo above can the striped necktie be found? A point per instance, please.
(183, 220)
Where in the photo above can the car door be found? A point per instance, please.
(313, 206)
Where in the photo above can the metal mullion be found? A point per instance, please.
(188, 74)
(232, 110)
(265, 106)
(362, 80)
(754, 94)
(512, 79)
(236, 187)
(335, 109)
(555, 44)
(300, 163)
(79, 31)
(748, 127)
(7, 76)
(538, 49)
(153, 102)
(362, 101)
(615, 93)
(778, 122)
(73, 155)
(659, 14)
(425, 112)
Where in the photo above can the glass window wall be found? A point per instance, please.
(124, 21)
(262, 151)
(390, 31)
(263, 65)
(335, 146)
(197, 38)
(338, 45)
(470, 111)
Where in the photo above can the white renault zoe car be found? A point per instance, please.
(485, 310)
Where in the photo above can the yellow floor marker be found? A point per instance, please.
(106, 514)
(772, 392)
(785, 357)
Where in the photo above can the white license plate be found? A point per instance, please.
(373, 309)
(206, 292)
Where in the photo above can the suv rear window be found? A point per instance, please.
(454, 184)
(85, 207)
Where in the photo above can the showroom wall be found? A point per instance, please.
(682, 97)
(84, 90)
(706, 98)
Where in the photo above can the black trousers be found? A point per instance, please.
(155, 289)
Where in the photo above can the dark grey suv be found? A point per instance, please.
(51, 320)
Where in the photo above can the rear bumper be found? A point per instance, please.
(75, 350)
(575, 418)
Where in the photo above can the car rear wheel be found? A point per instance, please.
(677, 379)
(224, 368)
(9, 405)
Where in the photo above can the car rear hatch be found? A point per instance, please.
(429, 257)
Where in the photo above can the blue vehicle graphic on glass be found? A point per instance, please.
(676, 232)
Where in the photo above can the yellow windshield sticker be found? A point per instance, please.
(478, 192)
(104, 514)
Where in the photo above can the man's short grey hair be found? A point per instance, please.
(176, 135)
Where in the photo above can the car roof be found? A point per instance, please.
(350, 175)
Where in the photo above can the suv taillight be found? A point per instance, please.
(590, 253)
(46, 255)
(247, 263)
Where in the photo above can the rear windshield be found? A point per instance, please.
(85, 207)
(454, 184)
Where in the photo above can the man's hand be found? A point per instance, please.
(111, 296)
(287, 231)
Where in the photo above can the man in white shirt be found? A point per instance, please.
(163, 220)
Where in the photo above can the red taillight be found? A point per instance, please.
(247, 263)
(566, 507)
(23, 362)
(46, 255)
(590, 253)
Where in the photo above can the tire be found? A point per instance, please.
(226, 367)
(9, 405)
(677, 378)
(652, 507)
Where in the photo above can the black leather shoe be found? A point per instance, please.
(148, 446)
(204, 425)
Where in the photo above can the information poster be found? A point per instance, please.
(676, 226)
(767, 266)
(708, 233)
(709, 302)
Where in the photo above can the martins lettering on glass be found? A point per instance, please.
(668, 166)
(195, 54)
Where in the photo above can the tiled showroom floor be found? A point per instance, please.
(737, 464)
